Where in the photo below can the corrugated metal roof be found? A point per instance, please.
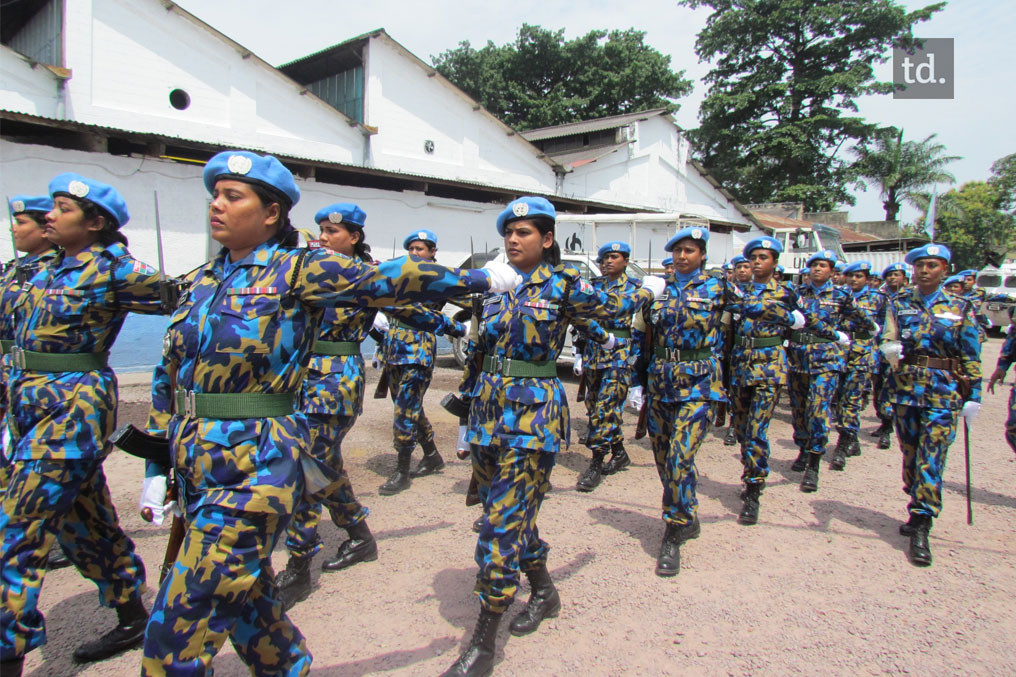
(585, 126)
(577, 158)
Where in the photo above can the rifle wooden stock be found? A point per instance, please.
(642, 424)
(381, 392)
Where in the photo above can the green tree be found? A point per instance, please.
(542, 79)
(783, 86)
(1003, 178)
(901, 168)
(972, 221)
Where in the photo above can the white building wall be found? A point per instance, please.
(27, 89)
(410, 108)
(183, 206)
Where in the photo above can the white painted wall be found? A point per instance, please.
(27, 89)
(409, 108)
(183, 204)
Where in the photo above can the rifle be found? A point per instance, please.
(381, 391)
(966, 458)
(581, 396)
(641, 426)
(169, 292)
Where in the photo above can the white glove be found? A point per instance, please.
(609, 343)
(893, 351)
(989, 322)
(798, 317)
(842, 338)
(463, 445)
(381, 322)
(375, 361)
(635, 398)
(878, 328)
(153, 497)
(577, 366)
(502, 276)
(970, 411)
(654, 284)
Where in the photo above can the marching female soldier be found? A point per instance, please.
(895, 276)
(226, 396)
(332, 399)
(519, 417)
(63, 398)
(932, 345)
(1005, 359)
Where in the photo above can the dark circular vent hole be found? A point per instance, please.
(179, 99)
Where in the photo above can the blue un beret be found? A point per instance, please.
(30, 203)
(693, 232)
(958, 277)
(96, 192)
(259, 170)
(616, 246)
(929, 251)
(764, 242)
(669, 261)
(738, 260)
(857, 267)
(968, 271)
(423, 235)
(525, 208)
(839, 266)
(780, 269)
(822, 255)
(893, 267)
(341, 212)
(804, 271)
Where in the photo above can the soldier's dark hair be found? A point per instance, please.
(361, 249)
(110, 232)
(545, 224)
(286, 234)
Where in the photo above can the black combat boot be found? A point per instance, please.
(294, 581)
(669, 562)
(430, 463)
(594, 473)
(749, 511)
(12, 667)
(855, 446)
(129, 632)
(400, 479)
(801, 462)
(721, 415)
(57, 558)
(920, 549)
(544, 602)
(689, 531)
(478, 523)
(839, 459)
(478, 658)
(359, 547)
(809, 483)
(885, 434)
(910, 525)
(730, 439)
(618, 460)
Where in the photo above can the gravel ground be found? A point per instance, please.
(821, 584)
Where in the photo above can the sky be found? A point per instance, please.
(977, 124)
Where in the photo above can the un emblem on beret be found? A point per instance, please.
(520, 209)
(615, 247)
(697, 233)
(77, 188)
(18, 206)
(933, 250)
(765, 244)
(335, 217)
(421, 235)
(239, 164)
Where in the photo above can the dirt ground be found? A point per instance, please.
(821, 584)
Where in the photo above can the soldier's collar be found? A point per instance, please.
(82, 257)
(261, 256)
(540, 273)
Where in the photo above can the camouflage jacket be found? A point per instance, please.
(594, 356)
(862, 354)
(827, 310)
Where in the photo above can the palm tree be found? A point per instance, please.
(901, 169)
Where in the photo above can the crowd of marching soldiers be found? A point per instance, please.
(262, 377)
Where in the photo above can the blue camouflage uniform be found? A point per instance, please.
(517, 423)
(816, 360)
(926, 399)
(226, 396)
(608, 372)
(1005, 359)
(880, 396)
(61, 415)
(685, 379)
(861, 360)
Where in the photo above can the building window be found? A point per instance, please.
(35, 29)
(343, 91)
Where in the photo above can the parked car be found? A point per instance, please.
(999, 284)
(584, 262)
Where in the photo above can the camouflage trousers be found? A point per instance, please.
(1010, 421)
(408, 384)
(751, 412)
(925, 437)
(222, 585)
(45, 498)
(810, 405)
(676, 430)
(854, 386)
(325, 446)
(606, 390)
(512, 483)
